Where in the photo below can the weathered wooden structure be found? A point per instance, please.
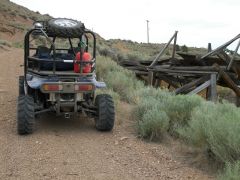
(192, 74)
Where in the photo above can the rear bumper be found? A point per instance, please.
(35, 82)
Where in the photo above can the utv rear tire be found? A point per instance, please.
(21, 85)
(25, 115)
(65, 28)
(105, 112)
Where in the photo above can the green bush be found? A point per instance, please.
(184, 48)
(107, 52)
(105, 65)
(179, 109)
(152, 121)
(145, 105)
(117, 78)
(160, 95)
(215, 127)
(123, 84)
(231, 172)
(19, 44)
(153, 124)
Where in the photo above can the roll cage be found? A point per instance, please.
(32, 64)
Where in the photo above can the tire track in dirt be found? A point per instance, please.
(72, 149)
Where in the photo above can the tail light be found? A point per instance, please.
(84, 87)
(52, 87)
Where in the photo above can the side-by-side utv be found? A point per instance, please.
(59, 75)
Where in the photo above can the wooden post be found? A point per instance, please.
(237, 101)
(157, 83)
(213, 88)
(209, 47)
(150, 78)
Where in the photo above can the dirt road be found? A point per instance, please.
(73, 149)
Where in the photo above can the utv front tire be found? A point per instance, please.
(105, 112)
(25, 115)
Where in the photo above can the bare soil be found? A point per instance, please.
(72, 148)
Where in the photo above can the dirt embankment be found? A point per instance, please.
(73, 149)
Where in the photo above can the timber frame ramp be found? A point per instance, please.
(192, 74)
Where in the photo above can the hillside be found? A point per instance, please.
(15, 20)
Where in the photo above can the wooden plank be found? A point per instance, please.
(140, 72)
(196, 82)
(196, 68)
(200, 88)
(181, 71)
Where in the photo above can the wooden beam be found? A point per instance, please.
(229, 82)
(200, 88)
(186, 87)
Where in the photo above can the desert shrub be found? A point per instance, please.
(121, 56)
(13, 13)
(106, 51)
(153, 124)
(160, 95)
(152, 121)
(19, 44)
(23, 16)
(5, 43)
(17, 26)
(34, 18)
(117, 78)
(184, 48)
(150, 112)
(179, 109)
(143, 106)
(215, 127)
(134, 57)
(123, 84)
(105, 65)
(231, 172)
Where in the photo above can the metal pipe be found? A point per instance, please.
(54, 50)
(43, 111)
(147, 31)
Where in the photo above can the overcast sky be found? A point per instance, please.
(198, 22)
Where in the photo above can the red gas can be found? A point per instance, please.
(86, 67)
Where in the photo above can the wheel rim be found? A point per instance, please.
(65, 23)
